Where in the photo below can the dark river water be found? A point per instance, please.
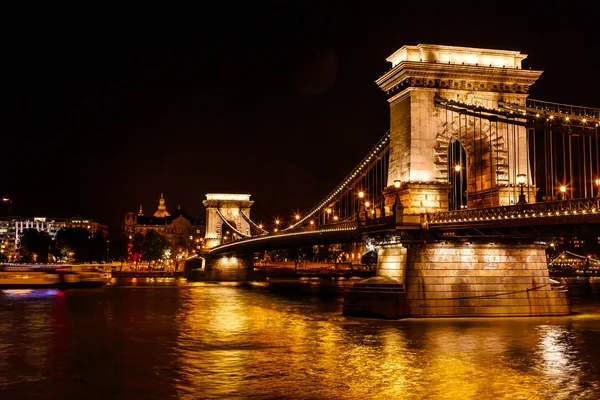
(169, 339)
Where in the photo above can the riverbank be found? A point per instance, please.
(147, 274)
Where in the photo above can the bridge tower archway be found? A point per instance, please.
(228, 207)
(228, 234)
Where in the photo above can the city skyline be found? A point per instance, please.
(276, 102)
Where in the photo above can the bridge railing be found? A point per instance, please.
(566, 109)
(533, 210)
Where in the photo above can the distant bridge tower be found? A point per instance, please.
(421, 133)
(224, 219)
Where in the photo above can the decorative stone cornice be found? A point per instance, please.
(456, 77)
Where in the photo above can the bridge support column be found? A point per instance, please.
(382, 296)
(391, 262)
(460, 279)
(228, 269)
(481, 279)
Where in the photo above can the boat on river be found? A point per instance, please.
(63, 276)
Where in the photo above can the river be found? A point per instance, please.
(170, 339)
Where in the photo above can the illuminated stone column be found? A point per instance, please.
(420, 131)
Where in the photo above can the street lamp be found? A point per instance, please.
(457, 168)
(397, 184)
(598, 186)
(563, 191)
(521, 182)
(327, 215)
(361, 194)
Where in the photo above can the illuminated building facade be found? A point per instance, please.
(182, 231)
(11, 229)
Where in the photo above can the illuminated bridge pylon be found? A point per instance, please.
(224, 220)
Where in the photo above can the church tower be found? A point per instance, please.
(162, 209)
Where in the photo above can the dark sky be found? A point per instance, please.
(109, 107)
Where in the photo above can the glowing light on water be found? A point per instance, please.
(31, 293)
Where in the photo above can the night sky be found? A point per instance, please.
(109, 107)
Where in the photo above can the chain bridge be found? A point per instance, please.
(459, 195)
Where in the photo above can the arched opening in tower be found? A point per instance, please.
(457, 175)
(227, 234)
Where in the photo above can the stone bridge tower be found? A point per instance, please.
(421, 131)
(231, 207)
(441, 95)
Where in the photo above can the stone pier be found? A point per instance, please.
(462, 279)
(228, 269)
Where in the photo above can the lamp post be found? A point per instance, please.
(521, 182)
(563, 192)
(598, 186)
(457, 191)
(361, 212)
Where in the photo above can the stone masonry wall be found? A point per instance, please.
(457, 279)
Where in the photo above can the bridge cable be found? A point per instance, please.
(364, 167)
(220, 214)
(252, 223)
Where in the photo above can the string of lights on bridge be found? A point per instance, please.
(349, 180)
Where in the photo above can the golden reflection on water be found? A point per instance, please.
(235, 342)
(223, 341)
